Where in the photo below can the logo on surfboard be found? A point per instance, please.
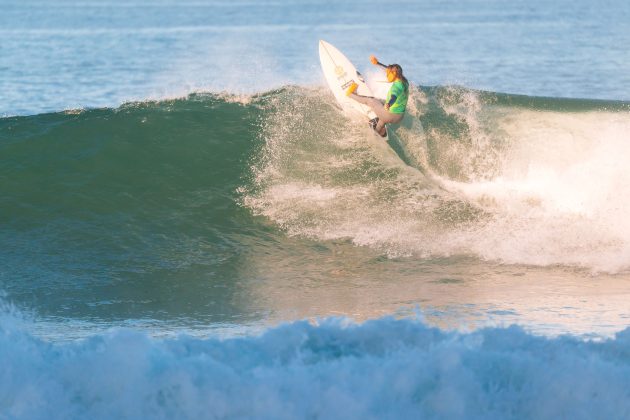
(340, 72)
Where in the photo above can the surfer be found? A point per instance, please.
(394, 108)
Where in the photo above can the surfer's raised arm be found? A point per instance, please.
(375, 61)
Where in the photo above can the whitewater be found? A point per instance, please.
(380, 369)
(191, 228)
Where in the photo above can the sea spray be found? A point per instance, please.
(436, 197)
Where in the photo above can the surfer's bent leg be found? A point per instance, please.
(390, 119)
(383, 115)
(375, 104)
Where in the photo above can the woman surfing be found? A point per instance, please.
(396, 102)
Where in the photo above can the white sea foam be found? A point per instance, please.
(384, 368)
(562, 193)
(539, 188)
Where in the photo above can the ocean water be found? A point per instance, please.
(190, 227)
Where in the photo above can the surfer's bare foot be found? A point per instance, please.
(351, 89)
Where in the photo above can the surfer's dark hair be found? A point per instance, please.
(399, 73)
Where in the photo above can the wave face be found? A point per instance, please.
(152, 192)
(129, 207)
(380, 369)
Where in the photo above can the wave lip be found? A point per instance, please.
(384, 368)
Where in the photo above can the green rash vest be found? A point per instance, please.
(402, 94)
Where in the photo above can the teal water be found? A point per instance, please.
(104, 204)
(189, 226)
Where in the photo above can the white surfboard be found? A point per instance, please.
(340, 73)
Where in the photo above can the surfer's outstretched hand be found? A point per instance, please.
(374, 60)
